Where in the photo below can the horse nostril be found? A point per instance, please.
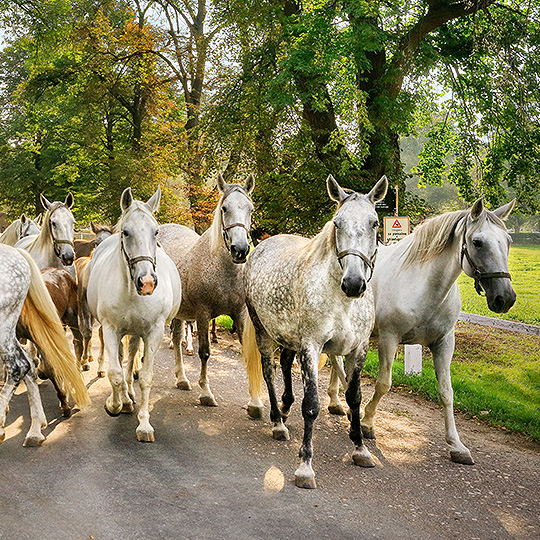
(139, 283)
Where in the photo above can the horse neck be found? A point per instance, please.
(43, 246)
(321, 252)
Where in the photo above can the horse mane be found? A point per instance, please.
(11, 235)
(135, 205)
(320, 245)
(215, 231)
(433, 236)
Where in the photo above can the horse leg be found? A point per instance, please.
(335, 406)
(78, 346)
(387, 353)
(287, 399)
(145, 432)
(17, 364)
(354, 364)
(304, 476)
(134, 342)
(34, 437)
(177, 328)
(189, 338)
(206, 398)
(101, 356)
(442, 351)
(213, 331)
(47, 371)
(114, 403)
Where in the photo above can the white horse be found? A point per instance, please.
(133, 289)
(20, 228)
(314, 296)
(23, 296)
(417, 298)
(53, 246)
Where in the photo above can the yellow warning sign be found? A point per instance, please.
(396, 228)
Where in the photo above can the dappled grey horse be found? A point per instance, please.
(417, 298)
(53, 246)
(20, 279)
(133, 289)
(314, 296)
(211, 269)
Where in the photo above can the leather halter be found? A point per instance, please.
(58, 241)
(370, 262)
(477, 274)
(132, 261)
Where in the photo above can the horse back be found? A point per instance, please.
(83, 248)
(62, 288)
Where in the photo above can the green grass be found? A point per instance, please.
(495, 376)
(524, 264)
(225, 322)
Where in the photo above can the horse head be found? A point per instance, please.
(28, 227)
(138, 242)
(101, 232)
(485, 246)
(59, 223)
(355, 234)
(235, 208)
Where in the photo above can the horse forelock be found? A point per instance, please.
(433, 236)
(136, 206)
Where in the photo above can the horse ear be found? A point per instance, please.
(69, 200)
(477, 208)
(126, 199)
(44, 202)
(94, 227)
(504, 211)
(23, 219)
(153, 202)
(39, 219)
(379, 190)
(334, 190)
(249, 185)
(221, 184)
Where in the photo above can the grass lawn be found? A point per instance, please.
(524, 264)
(495, 375)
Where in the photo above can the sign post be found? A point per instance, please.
(396, 228)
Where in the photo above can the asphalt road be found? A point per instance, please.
(213, 473)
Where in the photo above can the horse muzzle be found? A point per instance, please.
(67, 257)
(353, 287)
(146, 284)
(500, 294)
(239, 253)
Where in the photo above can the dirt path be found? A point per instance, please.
(215, 474)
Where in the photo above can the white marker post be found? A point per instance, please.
(413, 359)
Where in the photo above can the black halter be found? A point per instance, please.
(477, 275)
(369, 261)
(132, 261)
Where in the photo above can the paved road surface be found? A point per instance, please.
(215, 474)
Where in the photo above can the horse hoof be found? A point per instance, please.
(127, 408)
(145, 436)
(280, 433)
(464, 458)
(208, 401)
(183, 385)
(111, 413)
(304, 477)
(101, 374)
(90, 358)
(368, 432)
(362, 458)
(171, 345)
(189, 352)
(32, 442)
(255, 412)
(66, 413)
(85, 367)
(337, 410)
(2, 436)
(135, 375)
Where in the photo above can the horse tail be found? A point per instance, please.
(252, 358)
(39, 315)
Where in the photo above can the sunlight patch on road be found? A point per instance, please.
(274, 480)
(14, 428)
(209, 428)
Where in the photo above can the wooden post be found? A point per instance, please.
(397, 200)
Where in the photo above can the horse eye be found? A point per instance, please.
(375, 225)
(477, 243)
(224, 208)
(156, 233)
(125, 233)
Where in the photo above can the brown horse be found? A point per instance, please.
(83, 248)
(62, 288)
